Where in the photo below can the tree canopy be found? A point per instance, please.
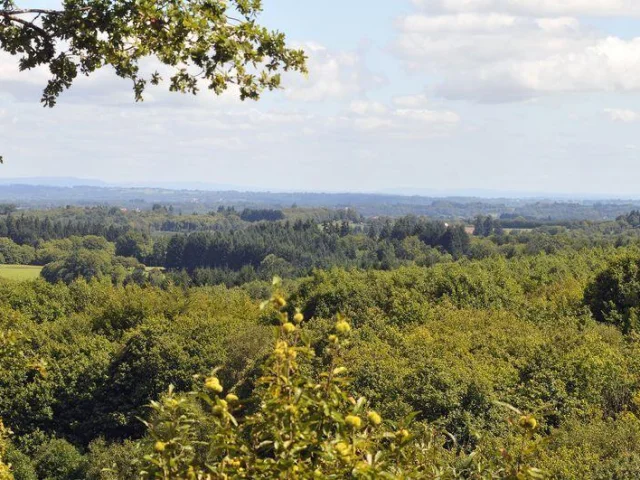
(216, 41)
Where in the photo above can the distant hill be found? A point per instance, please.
(77, 191)
(53, 181)
(410, 192)
(91, 182)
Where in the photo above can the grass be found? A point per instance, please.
(20, 272)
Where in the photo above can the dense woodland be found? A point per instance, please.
(232, 247)
(207, 335)
(481, 354)
(203, 335)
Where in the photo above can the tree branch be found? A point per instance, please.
(24, 11)
(43, 33)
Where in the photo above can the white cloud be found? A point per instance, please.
(104, 87)
(404, 120)
(372, 123)
(364, 107)
(442, 43)
(610, 64)
(535, 7)
(622, 115)
(411, 101)
(9, 70)
(429, 116)
(464, 22)
(332, 76)
(497, 56)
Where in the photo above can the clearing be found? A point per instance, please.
(20, 272)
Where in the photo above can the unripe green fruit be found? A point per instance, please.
(374, 418)
(213, 384)
(528, 422)
(279, 301)
(217, 411)
(343, 327)
(353, 421)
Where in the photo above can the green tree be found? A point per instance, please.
(274, 266)
(456, 240)
(5, 471)
(304, 427)
(132, 244)
(59, 460)
(214, 40)
(478, 226)
(88, 264)
(614, 296)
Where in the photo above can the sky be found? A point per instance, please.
(403, 96)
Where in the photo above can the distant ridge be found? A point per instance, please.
(67, 182)
(406, 192)
(54, 182)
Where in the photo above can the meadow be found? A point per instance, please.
(20, 272)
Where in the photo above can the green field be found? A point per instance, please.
(20, 272)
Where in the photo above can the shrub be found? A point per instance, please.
(614, 296)
(5, 471)
(59, 460)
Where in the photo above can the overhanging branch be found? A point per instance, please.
(41, 31)
(25, 11)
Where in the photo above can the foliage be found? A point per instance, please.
(252, 215)
(215, 43)
(486, 226)
(445, 342)
(115, 461)
(59, 460)
(5, 470)
(111, 351)
(22, 466)
(302, 428)
(12, 253)
(89, 257)
(301, 425)
(614, 296)
(598, 448)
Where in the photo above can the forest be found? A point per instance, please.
(205, 332)
(158, 345)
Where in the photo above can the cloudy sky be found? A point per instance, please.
(435, 95)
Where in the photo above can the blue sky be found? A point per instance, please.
(407, 95)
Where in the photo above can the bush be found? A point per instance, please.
(614, 296)
(59, 460)
(5, 471)
(115, 461)
(22, 467)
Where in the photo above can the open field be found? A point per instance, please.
(20, 272)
